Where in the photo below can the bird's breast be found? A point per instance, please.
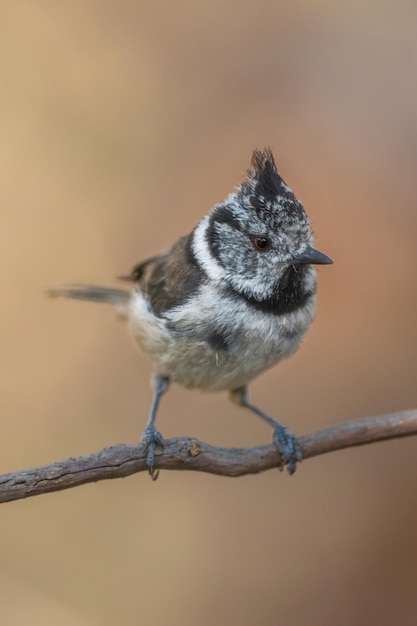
(217, 344)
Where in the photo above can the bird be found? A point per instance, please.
(225, 302)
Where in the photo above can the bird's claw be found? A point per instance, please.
(150, 439)
(288, 447)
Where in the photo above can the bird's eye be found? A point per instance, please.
(261, 243)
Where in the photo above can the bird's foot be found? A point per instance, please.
(288, 447)
(151, 438)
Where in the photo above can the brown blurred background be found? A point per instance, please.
(121, 124)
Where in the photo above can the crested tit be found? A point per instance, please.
(226, 302)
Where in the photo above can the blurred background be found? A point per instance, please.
(121, 124)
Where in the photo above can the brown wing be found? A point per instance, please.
(170, 278)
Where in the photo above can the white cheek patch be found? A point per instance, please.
(255, 287)
(203, 254)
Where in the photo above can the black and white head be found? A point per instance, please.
(259, 242)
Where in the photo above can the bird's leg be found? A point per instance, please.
(151, 437)
(286, 442)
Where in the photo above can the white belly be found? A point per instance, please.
(179, 348)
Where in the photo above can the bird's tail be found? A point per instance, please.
(107, 295)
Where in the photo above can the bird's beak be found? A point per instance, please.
(313, 257)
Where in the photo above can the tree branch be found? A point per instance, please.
(190, 454)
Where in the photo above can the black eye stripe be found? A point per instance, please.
(223, 215)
